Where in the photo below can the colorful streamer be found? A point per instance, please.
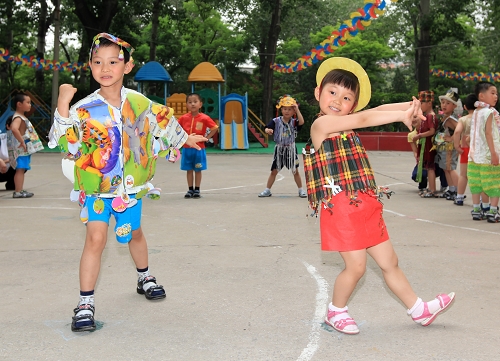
(359, 20)
(36, 63)
(468, 76)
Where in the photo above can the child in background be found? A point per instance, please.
(461, 142)
(483, 169)
(446, 155)
(424, 141)
(422, 177)
(110, 137)
(351, 219)
(194, 160)
(284, 130)
(20, 132)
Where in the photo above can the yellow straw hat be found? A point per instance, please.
(285, 101)
(365, 89)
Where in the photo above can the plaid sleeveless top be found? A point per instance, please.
(339, 165)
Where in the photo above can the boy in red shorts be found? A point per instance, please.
(193, 160)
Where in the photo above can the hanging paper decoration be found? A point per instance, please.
(359, 20)
(468, 76)
(36, 63)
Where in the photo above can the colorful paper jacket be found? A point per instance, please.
(115, 149)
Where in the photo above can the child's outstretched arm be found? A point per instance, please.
(328, 124)
(404, 106)
(193, 139)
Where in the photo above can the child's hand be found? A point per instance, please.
(494, 158)
(414, 113)
(193, 139)
(459, 149)
(269, 131)
(3, 166)
(66, 93)
(23, 145)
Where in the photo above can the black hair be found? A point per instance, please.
(8, 122)
(469, 102)
(343, 78)
(103, 42)
(195, 95)
(18, 98)
(481, 87)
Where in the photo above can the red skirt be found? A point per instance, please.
(351, 228)
(464, 157)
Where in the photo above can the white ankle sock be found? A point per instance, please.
(340, 317)
(86, 300)
(418, 308)
(143, 275)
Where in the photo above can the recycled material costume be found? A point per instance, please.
(483, 176)
(111, 152)
(341, 185)
(31, 139)
(284, 134)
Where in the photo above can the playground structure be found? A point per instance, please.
(153, 72)
(230, 112)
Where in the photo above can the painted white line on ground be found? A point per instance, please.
(442, 224)
(278, 179)
(321, 301)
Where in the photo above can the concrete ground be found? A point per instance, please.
(245, 277)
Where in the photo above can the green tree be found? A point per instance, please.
(419, 25)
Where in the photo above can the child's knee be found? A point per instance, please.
(137, 235)
(356, 269)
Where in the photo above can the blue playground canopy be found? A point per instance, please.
(153, 72)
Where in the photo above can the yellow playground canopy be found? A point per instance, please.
(205, 72)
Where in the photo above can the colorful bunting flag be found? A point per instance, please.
(358, 21)
(36, 63)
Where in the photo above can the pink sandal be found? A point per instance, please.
(341, 325)
(445, 300)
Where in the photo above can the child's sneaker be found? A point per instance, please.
(196, 194)
(265, 193)
(22, 194)
(189, 194)
(342, 322)
(83, 320)
(302, 193)
(458, 201)
(445, 194)
(484, 211)
(451, 196)
(148, 287)
(477, 214)
(493, 217)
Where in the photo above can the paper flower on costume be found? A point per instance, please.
(331, 184)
